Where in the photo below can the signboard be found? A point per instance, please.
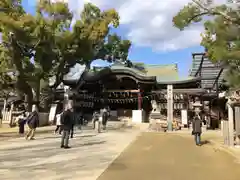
(137, 116)
(52, 112)
(184, 117)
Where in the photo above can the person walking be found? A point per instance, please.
(21, 122)
(104, 118)
(67, 122)
(197, 129)
(95, 118)
(33, 123)
(58, 124)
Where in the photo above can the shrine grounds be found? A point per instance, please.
(119, 153)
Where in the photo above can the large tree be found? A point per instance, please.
(101, 44)
(44, 45)
(221, 35)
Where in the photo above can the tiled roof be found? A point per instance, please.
(162, 72)
(209, 71)
(167, 74)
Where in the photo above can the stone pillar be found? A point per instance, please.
(66, 96)
(225, 132)
(170, 106)
(230, 125)
(237, 124)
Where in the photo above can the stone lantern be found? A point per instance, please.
(197, 106)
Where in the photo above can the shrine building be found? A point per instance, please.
(154, 91)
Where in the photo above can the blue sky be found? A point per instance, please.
(148, 53)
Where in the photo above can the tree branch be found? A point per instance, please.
(214, 12)
(198, 15)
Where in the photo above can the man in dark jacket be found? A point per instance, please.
(33, 123)
(197, 129)
(67, 122)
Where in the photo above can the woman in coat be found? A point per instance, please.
(33, 123)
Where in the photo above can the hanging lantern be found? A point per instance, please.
(174, 106)
(181, 106)
(182, 97)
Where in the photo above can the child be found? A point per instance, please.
(58, 124)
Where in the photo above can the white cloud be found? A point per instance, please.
(149, 22)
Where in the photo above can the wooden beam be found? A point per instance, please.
(132, 90)
(200, 67)
(217, 78)
(184, 91)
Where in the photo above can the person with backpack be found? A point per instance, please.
(67, 122)
(33, 123)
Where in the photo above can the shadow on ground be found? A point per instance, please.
(171, 157)
(205, 142)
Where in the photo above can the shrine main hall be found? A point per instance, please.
(147, 91)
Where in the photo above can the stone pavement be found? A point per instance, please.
(90, 155)
(6, 133)
(168, 156)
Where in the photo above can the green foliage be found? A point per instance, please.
(114, 48)
(43, 45)
(222, 33)
(94, 26)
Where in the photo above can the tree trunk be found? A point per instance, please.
(29, 99)
(26, 89)
(37, 91)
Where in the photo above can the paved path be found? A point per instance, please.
(156, 156)
(42, 159)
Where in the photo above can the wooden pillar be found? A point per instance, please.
(139, 98)
(237, 123)
(230, 125)
(170, 106)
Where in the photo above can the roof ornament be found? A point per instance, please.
(121, 62)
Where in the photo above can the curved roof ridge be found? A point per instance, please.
(161, 65)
